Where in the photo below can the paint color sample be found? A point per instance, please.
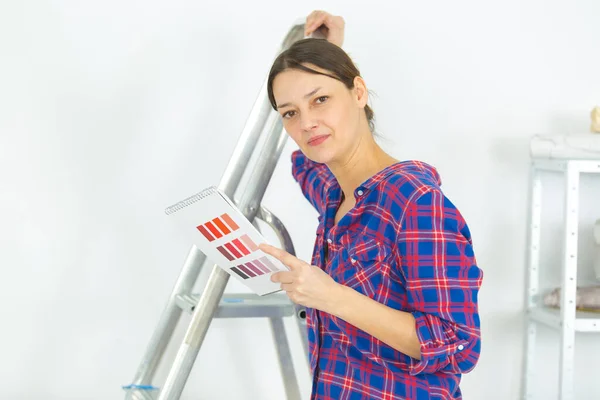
(269, 264)
(233, 250)
(230, 222)
(246, 270)
(240, 246)
(221, 226)
(218, 227)
(253, 268)
(261, 266)
(206, 233)
(225, 253)
(240, 273)
(249, 243)
(213, 230)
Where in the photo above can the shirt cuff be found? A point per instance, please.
(438, 346)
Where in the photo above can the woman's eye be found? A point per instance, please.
(290, 114)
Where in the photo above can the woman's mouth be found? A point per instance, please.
(317, 140)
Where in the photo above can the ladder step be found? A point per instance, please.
(244, 305)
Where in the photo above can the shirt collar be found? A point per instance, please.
(381, 176)
(369, 184)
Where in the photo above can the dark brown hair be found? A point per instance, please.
(324, 55)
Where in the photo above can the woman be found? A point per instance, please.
(391, 292)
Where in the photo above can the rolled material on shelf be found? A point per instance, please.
(587, 298)
(584, 146)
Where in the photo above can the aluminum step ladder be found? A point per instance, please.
(262, 126)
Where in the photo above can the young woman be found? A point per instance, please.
(391, 290)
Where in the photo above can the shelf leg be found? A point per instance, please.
(532, 281)
(569, 284)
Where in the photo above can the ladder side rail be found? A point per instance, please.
(168, 319)
(217, 281)
(286, 240)
(246, 144)
(284, 355)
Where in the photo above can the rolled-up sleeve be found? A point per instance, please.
(442, 282)
(313, 179)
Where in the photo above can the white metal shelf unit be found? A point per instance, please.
(567, 320)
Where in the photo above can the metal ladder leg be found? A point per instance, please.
(202, 316)
(169, 318)
(286, 365)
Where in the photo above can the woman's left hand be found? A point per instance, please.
(305, 284)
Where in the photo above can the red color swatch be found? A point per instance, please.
(233, 250)
(240, 246)
(218, 227)
(221, 225)
(230, 222)
(206, 233)
(213, 229)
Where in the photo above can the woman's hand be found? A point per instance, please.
(305, 284)
(331, 26)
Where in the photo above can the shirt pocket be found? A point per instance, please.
(363, 266)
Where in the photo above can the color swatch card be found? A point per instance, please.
(221, 231)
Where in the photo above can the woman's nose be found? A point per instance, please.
(308, 121)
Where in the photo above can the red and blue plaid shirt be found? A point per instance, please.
(405, 245)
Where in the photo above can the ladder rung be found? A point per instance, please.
(244, 305)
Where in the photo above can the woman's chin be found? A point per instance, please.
(319, 155)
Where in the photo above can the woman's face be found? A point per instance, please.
(319, 113)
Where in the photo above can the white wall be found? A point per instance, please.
(110, 111)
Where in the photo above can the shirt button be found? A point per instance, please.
(461, 347)
(329, 241)
(352, 260)
(360, 192)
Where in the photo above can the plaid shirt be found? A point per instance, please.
(405, 245)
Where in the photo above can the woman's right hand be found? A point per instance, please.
(331, 26)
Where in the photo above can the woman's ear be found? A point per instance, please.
(360, 91)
